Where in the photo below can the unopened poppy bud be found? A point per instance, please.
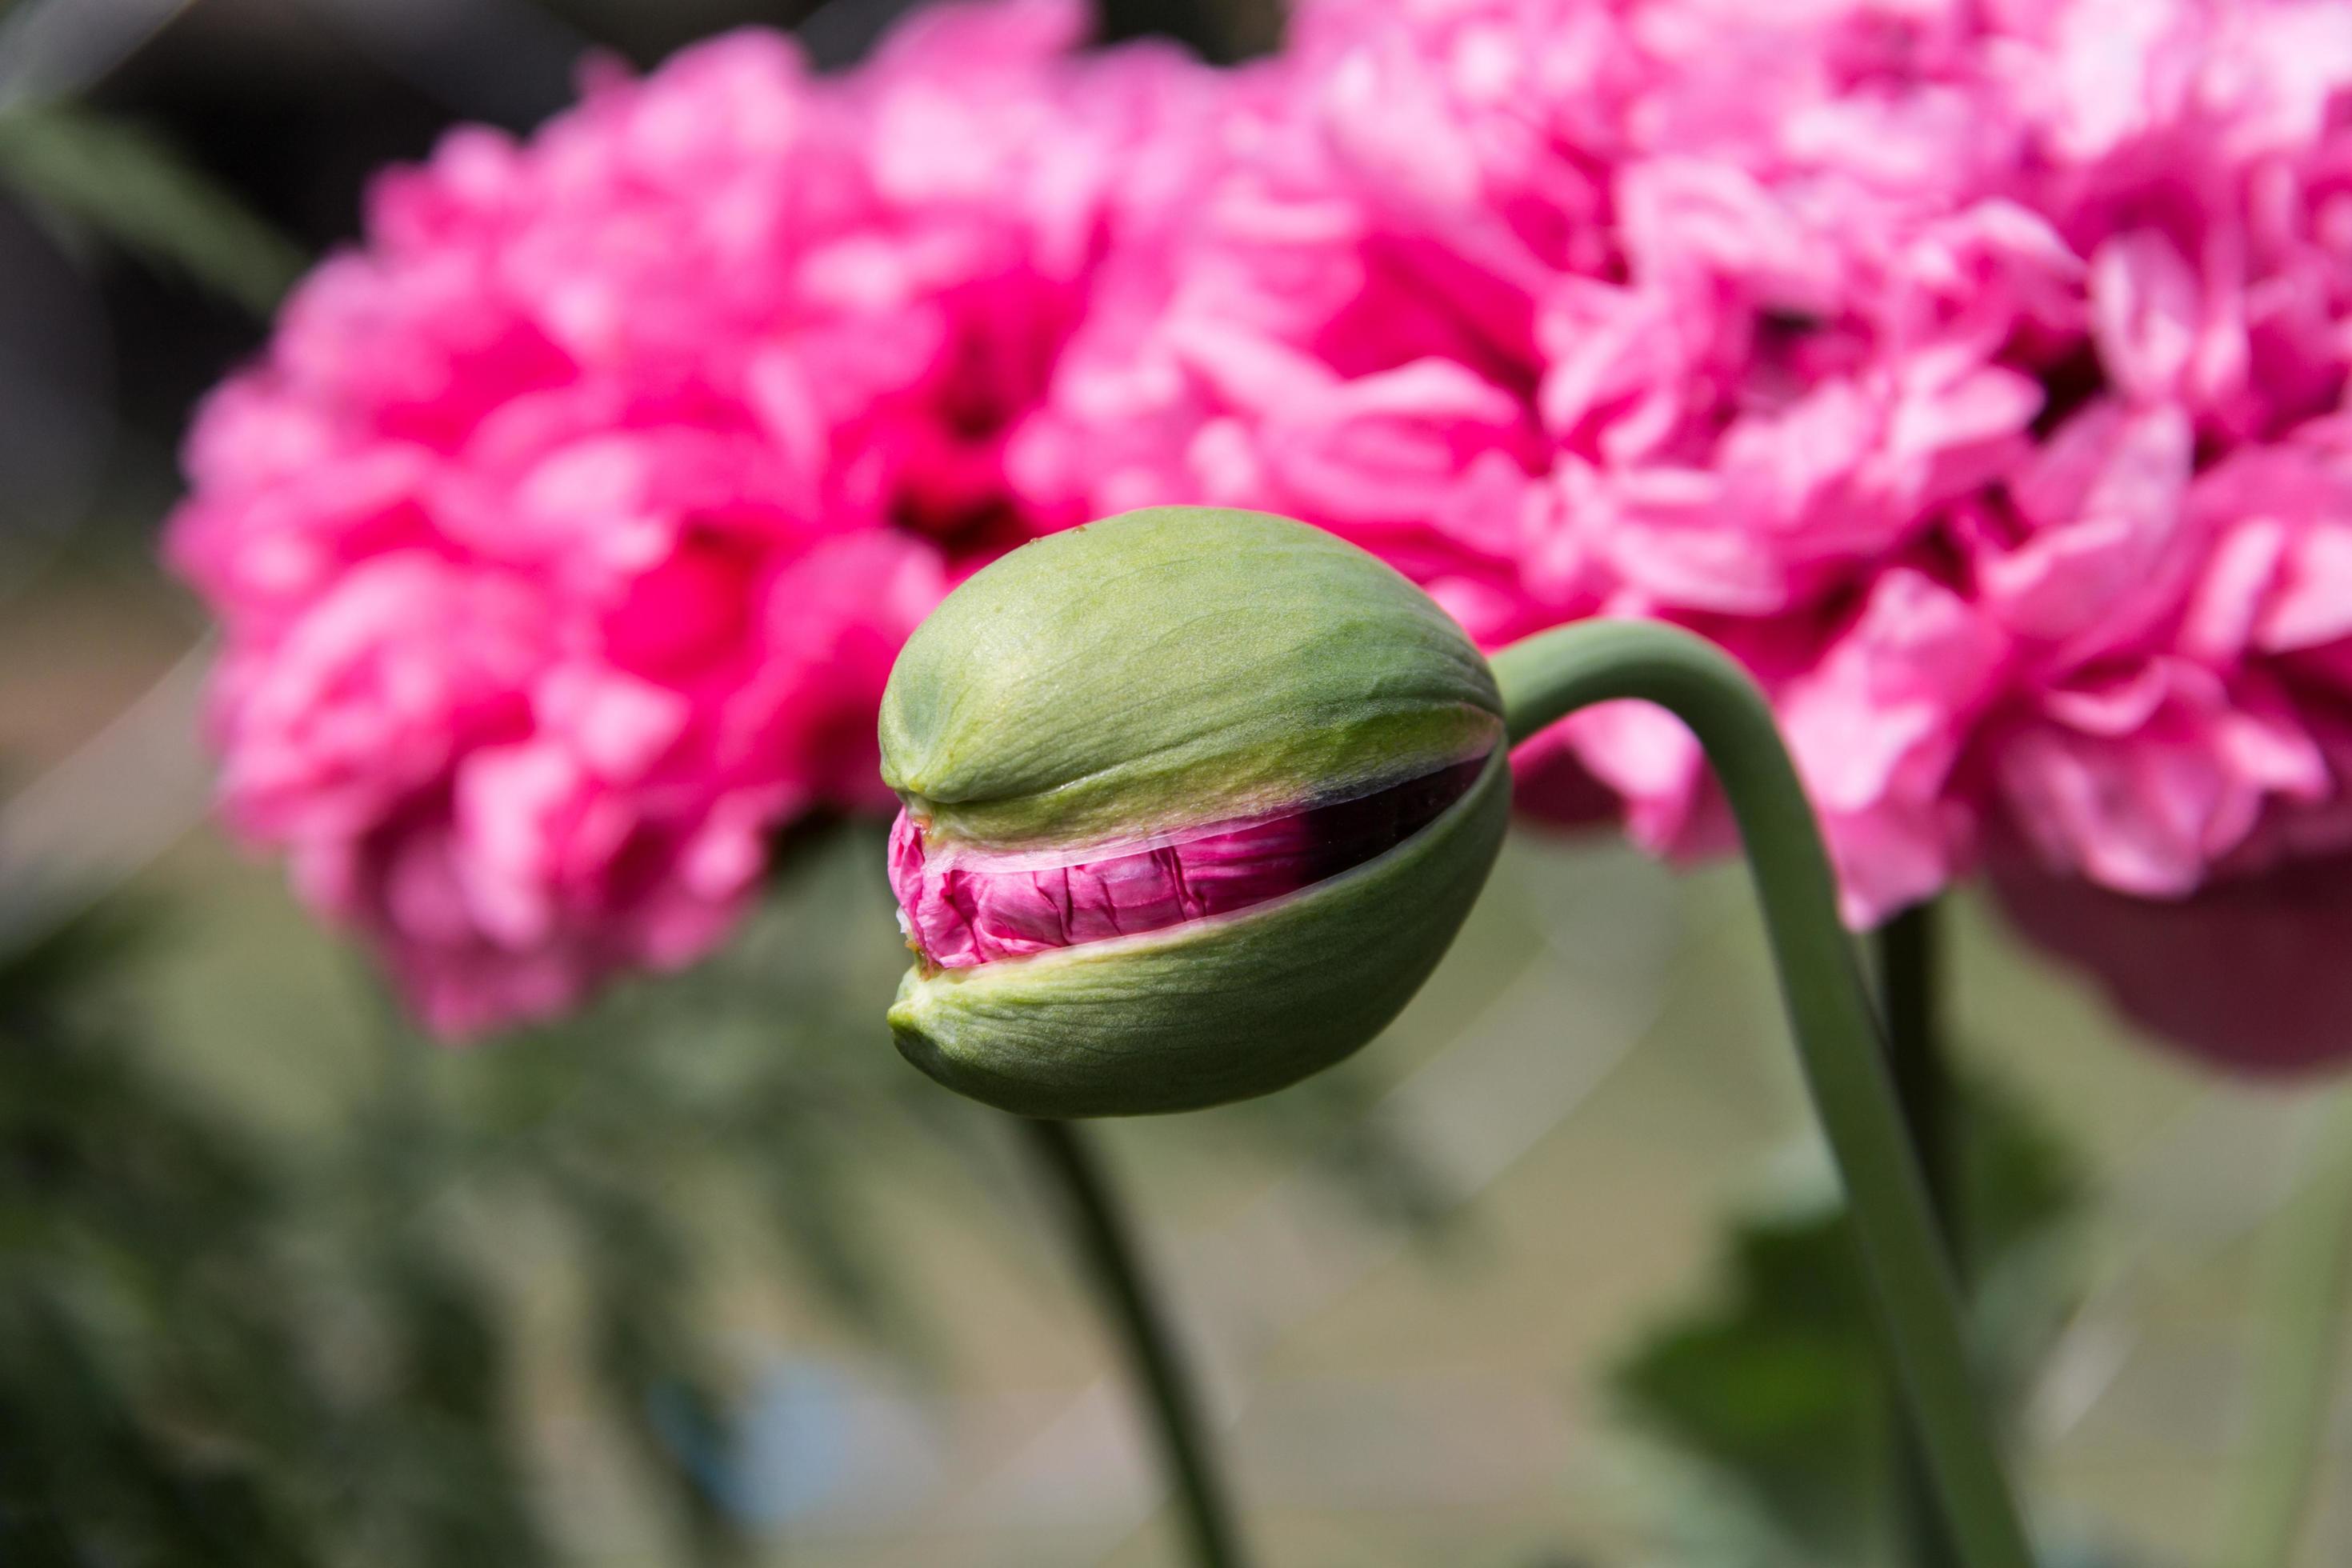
(1195, 800)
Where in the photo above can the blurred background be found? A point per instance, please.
(1545, 1277)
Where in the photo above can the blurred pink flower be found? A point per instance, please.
(1970, 371)
(1960, 368)
(565, 534)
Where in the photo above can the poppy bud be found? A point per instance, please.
(1195, 800)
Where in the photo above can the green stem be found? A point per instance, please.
(1911, 986)
(1554, 673)
(1100, 1234)
(2306, 1281)
(1910, 982)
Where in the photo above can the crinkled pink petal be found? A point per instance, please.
(964, 906)
(1888, 707)
(2142, 781)
(2148, 311)
(2111, 556)
(370, 693)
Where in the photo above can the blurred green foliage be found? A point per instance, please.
(137, 1300)
(216, 1351)
(217, 1347)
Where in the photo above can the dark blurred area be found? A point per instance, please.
(288, 106)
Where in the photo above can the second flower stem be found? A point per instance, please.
(1911, 984)
(1101, 1238)
(1552, 674)
(1910, 989)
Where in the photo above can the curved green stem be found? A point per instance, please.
(2306, 1285)
(1099, 1233)
(1554, 673)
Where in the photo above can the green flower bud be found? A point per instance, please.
(1195, 800)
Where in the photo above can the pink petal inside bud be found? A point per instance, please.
(962, 907)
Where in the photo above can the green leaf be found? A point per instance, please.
(135, 190)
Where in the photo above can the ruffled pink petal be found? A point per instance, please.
(964, 907)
